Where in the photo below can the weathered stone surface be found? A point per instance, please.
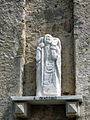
(82, 53)
(11, 43)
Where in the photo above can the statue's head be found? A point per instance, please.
(48, 39)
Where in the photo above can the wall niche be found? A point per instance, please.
(53, 17)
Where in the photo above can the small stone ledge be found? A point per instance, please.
(47, 100)
(72, 103)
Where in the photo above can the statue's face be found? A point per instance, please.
(48, 39)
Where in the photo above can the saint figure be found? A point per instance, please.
(48, 61)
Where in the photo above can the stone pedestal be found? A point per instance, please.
(72, 104)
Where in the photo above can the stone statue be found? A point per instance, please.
(48, 62)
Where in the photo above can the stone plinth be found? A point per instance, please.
(70, 102)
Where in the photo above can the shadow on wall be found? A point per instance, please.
(56, 112)
(29, 82)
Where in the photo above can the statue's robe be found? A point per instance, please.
(52, 77)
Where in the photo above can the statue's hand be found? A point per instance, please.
(41, 45)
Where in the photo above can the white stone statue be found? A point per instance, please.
(48, 62)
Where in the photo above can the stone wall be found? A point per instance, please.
(11, 51)
(18, 41)
(54, 17)
(82, 53)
